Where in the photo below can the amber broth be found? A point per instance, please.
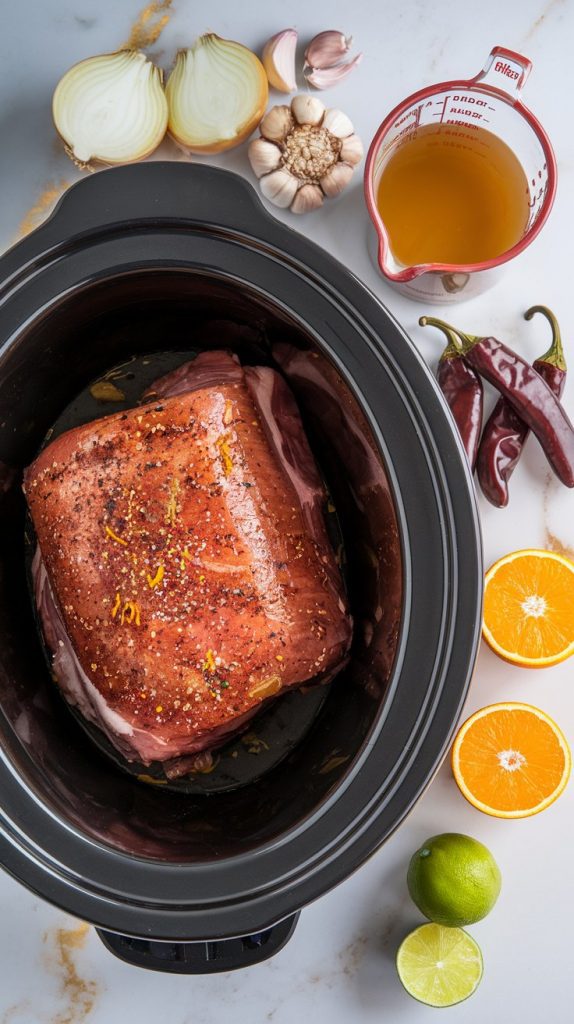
(452, 194)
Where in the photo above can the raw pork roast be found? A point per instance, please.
(183, 573)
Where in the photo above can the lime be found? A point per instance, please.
(439, 966)
(454, 880)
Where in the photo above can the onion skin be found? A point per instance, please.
(94, 158)
(189, 141)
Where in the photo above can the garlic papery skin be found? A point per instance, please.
(277, 123)
(264, 156)
(278, 58)
(111, 108)
(307, 198)
(307, 142)
(326, 48)
(307, 109)
(352, 150)
(279, 187)
(336, 179)
(217, 94)
(324, 78)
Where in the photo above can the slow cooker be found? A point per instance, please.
(141, 259)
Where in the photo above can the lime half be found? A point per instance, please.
(439, 966)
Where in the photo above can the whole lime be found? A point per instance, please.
(454, 880)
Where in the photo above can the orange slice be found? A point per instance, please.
(510, 760)
(529, 608)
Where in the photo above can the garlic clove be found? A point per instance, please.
(279, 187)
(352, 150)
(279, 60)
(307, 109)
(264, 156)
(336, 179)
(324, 78)
(309, 197)
(326, 49)
(338, 124)
(277, 123)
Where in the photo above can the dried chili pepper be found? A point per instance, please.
(526, 391)
(462, 388)
(505, 432)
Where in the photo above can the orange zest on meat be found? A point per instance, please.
(171, 510)
(154, 581)
(209, 663)
(222, 444)
(114, 536)
(130, 613)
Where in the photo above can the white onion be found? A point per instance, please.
(217, 94)
(111, 108)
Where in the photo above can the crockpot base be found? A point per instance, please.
(166, 245)
(213, 957)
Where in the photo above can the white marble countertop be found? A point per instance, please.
(339, 966)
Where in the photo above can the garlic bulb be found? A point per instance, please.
(111, 108)
(278, 58)
(304, 153)
(217, 93)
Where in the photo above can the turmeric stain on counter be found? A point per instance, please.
(78, 994)
(148, 26)
(42, 206)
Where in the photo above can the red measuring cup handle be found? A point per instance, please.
(505, 72)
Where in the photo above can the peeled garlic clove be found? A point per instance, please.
(338, 124)
(336, 179)
(277, 123)
(264, 156)
(279, 60)
(309, 197)
(279, 187)
(352, 150)
(324, 78)
(307, 109)
(111, 108)
(326, 49)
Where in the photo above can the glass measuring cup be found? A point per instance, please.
(492, 101)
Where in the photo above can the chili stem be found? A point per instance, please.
(555, 354)
(458, 339)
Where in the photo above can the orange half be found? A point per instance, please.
(529, 608)
(511, 760)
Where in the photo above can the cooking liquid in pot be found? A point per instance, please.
(452, 194)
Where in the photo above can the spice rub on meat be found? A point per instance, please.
(183, 574)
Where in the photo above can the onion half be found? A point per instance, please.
(111, 108)
(217, 94)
